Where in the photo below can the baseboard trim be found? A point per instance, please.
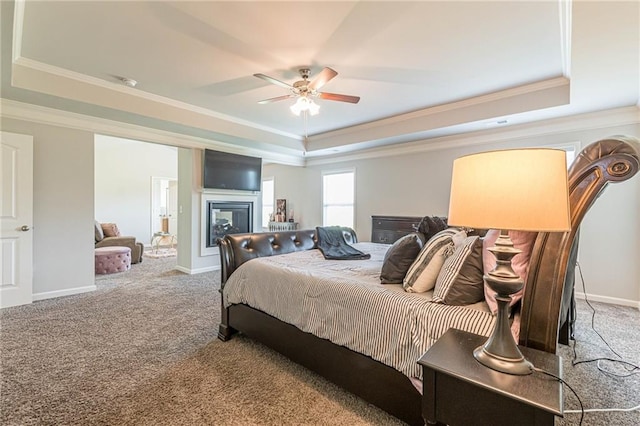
(609, 300)
(59, 293)
(197, 270)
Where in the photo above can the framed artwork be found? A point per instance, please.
(281, 210)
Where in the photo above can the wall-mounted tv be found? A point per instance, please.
(223, 170)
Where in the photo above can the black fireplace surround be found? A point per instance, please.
(228, 217)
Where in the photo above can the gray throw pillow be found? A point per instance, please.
(399, 258)
(460, 281)
(430, 226)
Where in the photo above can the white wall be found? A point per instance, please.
(418, 184)
(63, 244)
(123, 171)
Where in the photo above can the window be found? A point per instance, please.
(571, 149)
(338, 195)
(571, 154)
(268, 195)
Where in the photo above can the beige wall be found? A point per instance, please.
(62, 208)
(417, 184)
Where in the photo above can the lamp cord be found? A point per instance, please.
(582, 411)
(631, 368)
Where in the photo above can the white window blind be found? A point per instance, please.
(338, 198)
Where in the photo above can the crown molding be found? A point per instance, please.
(54, 117)
(120, 88)
(18, 23)
(453, 106)
(588, 121)
(534, 96)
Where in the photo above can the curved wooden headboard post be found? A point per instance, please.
(609, 160)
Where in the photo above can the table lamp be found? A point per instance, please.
(518, 189)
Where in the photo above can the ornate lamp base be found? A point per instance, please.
(500, 352)
(518, 367)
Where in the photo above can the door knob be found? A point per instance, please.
(25, 228)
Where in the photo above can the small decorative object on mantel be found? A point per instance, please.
(282, 226)
(291, 216)
(281, 210)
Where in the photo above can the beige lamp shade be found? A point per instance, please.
(519, 189)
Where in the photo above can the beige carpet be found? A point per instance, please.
(142, 350)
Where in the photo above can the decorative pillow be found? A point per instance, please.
(430, 226)
(460, 280)
(423, 272)
(110, 229)
(520, 262)
(399, 258)
(98, 232)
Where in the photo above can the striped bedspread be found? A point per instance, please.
(344, 302)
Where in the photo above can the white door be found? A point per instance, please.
(16, 214)
(172, 207)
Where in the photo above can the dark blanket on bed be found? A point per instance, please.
(332, 244)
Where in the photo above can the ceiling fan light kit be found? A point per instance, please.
(305, 104)
(305, 90)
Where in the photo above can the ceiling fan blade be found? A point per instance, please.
(276, 99)
(274, 81)
(337, 97)
(321, 79)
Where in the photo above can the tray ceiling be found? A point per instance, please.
(422, 69)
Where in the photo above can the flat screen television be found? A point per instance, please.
(223, 170)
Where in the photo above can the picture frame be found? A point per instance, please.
(281, 210)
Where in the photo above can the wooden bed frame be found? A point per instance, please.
(545, 306)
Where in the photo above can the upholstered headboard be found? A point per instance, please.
(235, 249)
(554, 255)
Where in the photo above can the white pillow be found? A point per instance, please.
(423, 273)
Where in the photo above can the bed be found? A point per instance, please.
(307, 316)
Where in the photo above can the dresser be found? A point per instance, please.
(388, 229)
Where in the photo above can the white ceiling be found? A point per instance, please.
(422, 69)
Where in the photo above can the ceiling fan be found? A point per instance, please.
(305, 90)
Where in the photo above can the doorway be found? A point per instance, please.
(164, 205)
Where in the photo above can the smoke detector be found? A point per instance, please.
(128, 82)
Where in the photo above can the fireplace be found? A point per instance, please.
(232, 217)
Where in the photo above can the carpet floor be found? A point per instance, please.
(142, 350)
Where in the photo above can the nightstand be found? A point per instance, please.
(458, 390)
